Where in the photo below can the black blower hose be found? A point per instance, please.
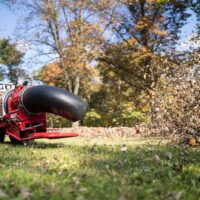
(43, 98)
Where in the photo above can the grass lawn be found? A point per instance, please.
(101, 168)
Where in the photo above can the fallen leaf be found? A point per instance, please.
(2, 194)
(177, 167)
(192, 142)
(60, 173)
(25, 192)
(124, 149)
(177, 195)
(51, 188)
(168, 155)
(83, 189)
(122, 198)
(157, 158)
(198, 139)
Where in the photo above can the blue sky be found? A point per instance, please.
(8, 21)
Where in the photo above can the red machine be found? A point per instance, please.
(23, 111)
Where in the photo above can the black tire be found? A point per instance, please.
(24, 143)
(2, 137)
(14, 141)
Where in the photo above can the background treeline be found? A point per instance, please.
(122, 56)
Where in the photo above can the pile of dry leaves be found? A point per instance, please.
(124, 132)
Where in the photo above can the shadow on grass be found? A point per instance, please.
(147, 172)
(114, 157)
(109, 171)
(36, 145)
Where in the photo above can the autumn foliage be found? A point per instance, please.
(122, 57)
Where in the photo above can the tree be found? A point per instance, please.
(195, 6)
(115, 103)
(11, 58)
(52, 74)
(147, 33)
(71, 32)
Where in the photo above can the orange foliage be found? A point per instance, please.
(51, 72)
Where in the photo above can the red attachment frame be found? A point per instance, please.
(24, 126)
(47, 135)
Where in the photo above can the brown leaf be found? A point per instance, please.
(2, 194)
(168, 155)
(122, 198)
(124, 149)
(177, 167)
(157, 158)
(25, 192)
(83, 190)
(51, 188)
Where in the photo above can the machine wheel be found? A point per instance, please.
(15, 129)
(2, 135)
(14, 141)
(25, 143)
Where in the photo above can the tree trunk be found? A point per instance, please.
(76, 92)
(76, 85)
(51, 123)
(75, 124)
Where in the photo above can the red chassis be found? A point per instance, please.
(22, 126)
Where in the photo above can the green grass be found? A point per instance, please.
(81, 168)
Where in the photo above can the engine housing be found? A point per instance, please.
(23, 111)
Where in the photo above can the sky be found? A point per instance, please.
(9, 20)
